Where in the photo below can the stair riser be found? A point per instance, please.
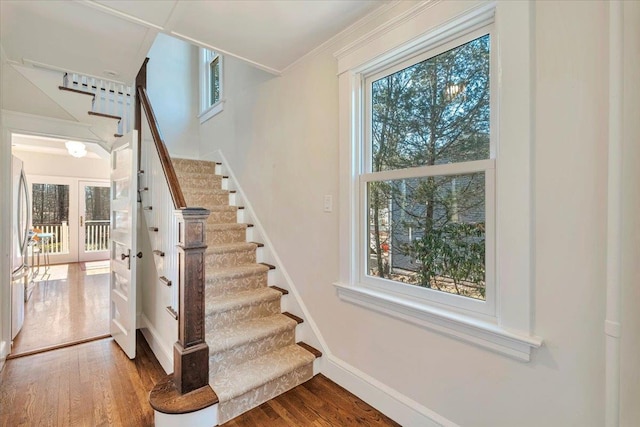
(193, 166)
(230, 259)
(223, 217)
(207, 199)
(219, 237)
(200, 181)
(256, 397)
(217, 320)
(218, 286)
(223, 360)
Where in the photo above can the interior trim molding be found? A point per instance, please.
(113, 12)
(343, 34)
(160, 350)
(481, 333)
(389, 401)
(385, 28)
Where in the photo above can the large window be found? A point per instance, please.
(211, 84)
(436, 200)
(428, 176)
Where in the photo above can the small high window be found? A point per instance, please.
(211, 84)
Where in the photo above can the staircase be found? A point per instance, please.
(253, 355)
(103, 105)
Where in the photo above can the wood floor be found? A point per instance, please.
(95, 384)
(69, 303)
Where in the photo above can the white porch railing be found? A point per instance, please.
(58, 243)
(96, 236)
(111, 97)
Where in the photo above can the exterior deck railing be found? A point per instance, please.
(96, 236)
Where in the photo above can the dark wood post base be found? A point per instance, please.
(187, 366)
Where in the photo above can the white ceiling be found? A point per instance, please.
(93, 36)
(52, 146)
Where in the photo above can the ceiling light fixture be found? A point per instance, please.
(76, 148)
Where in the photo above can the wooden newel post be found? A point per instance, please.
(191, 352)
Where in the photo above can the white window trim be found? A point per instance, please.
(508, 329)
(208, 110)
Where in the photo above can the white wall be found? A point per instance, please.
(171, 73)
(227, 130)
(280, 138)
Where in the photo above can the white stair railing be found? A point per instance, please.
(111, 98)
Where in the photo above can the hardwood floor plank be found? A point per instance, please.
(68, 304)
(318, 402)
(95, 384)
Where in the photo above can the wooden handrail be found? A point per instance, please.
(163, 153)
(187, 388)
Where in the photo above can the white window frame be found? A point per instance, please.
(207, 108)
(446, 300)
(505, 323)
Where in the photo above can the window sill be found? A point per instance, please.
(482, 333)
(212, 111)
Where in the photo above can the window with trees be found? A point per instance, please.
(428, 174)
(435, 219)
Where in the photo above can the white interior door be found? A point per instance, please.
(94, 221)
(122, 304)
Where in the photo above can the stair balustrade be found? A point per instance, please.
(111, 98)
(180, 245)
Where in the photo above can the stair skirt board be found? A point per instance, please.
(253, 355)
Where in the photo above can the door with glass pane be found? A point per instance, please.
(53, 220)
(94, 228)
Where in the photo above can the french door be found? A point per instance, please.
(71, 217)
(94, 227)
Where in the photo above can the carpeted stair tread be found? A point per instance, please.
(226, 226)
(236, 271)
(199, 180)
(222, 208)
(189, 165)
(207, 191)
(247, 332)
(254, 373)
(240, 299)
(231, 247)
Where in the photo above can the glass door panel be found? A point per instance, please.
(51, 210)
(94, 221)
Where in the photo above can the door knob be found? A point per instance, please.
(123, 256)
(128, 255)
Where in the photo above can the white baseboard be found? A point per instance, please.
(160, 350)
(390, 402)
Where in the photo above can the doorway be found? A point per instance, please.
(70, 219)
(67, 298)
